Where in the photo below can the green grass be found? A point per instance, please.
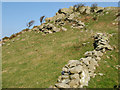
(36, 62)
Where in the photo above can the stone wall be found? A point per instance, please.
(77, 73)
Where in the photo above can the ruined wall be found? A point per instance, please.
(77, 73)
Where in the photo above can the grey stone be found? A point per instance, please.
(75, 76)
(65, 76)
(66, 81)
(74, 83)
(64, 29)
(62, 85)
(73, 63)
(56, 29)
(76, 69)
(65, 69)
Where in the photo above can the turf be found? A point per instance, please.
(34, 60)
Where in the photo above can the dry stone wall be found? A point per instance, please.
(77, 73)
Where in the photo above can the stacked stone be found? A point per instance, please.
(77, 73)
(48, 28)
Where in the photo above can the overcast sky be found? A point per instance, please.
(15, 15)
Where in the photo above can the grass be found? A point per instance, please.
(36, 60)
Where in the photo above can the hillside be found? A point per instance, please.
(34, 57)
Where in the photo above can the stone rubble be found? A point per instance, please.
(77, 73)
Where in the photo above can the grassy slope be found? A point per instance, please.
(37, 60)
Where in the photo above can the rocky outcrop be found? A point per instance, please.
(77, 73)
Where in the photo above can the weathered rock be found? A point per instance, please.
(65, 76)
(76, 69)
(65, 69)
(84, 78)
(97, 53)
(62, 85)
(75, 76)
(56, 29)
(73, 63)
(66, 11)
(66, 81)
(74, 83)
(64, 29)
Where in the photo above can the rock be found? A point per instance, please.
(64, 69)
(97, 58)
(66, 11)
(65, 76)
(35, 29)
(97, 53)
(56, 29)
(99, 9)
(76, 69)
(49, 19)
(87, 10)
(73, 63)
(84, 78)
(75, 76)
(71, 17)
(101, 74)
(83, 44)
(74, 83)
(82, 10)
(59, 17)
(88, 53)
(59, 79)
(62, 85)
(49, 31)
(66, 81)
(81, 23)
(64, 29)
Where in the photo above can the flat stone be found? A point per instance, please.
(66, 81)
(62, 85)
(75, 76)
(73, 63)
(76, 69)
(74, 83)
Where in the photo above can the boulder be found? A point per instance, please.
(66, 11)
(82, 10)
(87, 10)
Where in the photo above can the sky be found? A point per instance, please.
(15, 15)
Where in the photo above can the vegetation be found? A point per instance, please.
(35, 60)
(93, 7)
(41, 19)
(77, 7)
(30, 23)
